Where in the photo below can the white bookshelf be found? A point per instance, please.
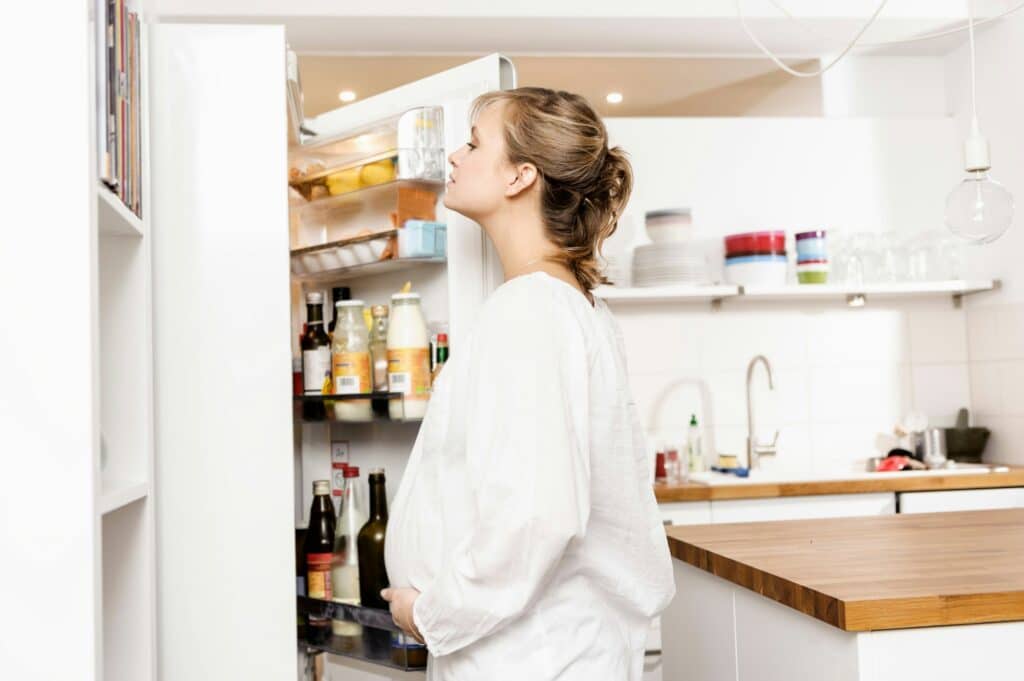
(124, 460)
(113, 217)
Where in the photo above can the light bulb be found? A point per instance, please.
(979, 209)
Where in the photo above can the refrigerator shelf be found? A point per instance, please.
(373, 642)
(363, 172)
(318, 408)
(355, 257)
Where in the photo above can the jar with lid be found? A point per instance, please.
(350, 358)
(408, 347)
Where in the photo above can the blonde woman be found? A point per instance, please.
(524, 542)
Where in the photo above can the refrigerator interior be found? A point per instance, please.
(451, 290)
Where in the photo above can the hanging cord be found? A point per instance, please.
(927, 36)
(974, 90)
(807, 74)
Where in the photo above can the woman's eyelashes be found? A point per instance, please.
(471, 146)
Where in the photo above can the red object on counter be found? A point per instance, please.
(892, 463)
(756, 243)
(659, 467)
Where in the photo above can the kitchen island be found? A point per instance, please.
(933, 596)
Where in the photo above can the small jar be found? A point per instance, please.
(350, 358)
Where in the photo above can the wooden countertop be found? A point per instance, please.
(883, 483)
(873, 573)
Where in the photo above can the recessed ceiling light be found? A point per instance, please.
(347, 96)
(614, 98)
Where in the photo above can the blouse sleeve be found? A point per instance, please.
(527, 453)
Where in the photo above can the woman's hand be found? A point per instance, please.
(402, 602)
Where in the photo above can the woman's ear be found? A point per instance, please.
(525, 177)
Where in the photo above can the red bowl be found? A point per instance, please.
(756, 242)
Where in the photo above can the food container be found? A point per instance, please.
(670, 224)
(811, 245)
(756, 270)
(419, 239)
(749, 243)
(812, 272)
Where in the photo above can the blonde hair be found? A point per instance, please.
(584, 185)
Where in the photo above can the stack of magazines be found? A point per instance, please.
(118, 119)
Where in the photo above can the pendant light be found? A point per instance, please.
(979, 209)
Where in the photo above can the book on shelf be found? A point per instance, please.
(119, 105)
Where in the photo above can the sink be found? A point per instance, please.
(769, 476)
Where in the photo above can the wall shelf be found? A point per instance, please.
(119, 493)
(854, 295)
(113, 217)
(667, 294)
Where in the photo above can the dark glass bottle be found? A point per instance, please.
(318, 551)
(300, 575)
(337, 293)
(316, 358)
(373, 575)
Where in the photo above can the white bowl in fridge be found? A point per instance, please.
(756, 270)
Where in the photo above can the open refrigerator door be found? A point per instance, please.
(366, 216)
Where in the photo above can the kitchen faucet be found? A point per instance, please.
(756, 450)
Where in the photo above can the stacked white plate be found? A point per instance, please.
(666, 263)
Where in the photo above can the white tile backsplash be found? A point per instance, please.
(841, 375)
(995, 334)
(938, 333)
(940, 390)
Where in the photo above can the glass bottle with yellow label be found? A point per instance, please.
(350, 359)
(408, 357)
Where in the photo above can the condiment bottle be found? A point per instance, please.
(408, 348)
(351, 362)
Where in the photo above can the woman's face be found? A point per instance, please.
(481, 174)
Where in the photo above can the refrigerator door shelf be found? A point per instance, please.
(356, 257)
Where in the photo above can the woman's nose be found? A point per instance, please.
(452, 158)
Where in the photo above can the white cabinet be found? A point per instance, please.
(798, 508)
(961, 500)
(685, 512)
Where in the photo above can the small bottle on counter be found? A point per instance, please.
(694, 446)
(660, 475)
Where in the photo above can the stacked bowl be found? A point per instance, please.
(673, 257)
(756, 258)
(811, 257)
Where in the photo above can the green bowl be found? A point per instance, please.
(812, 277)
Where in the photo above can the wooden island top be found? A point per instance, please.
(894, 482)
(873, 573)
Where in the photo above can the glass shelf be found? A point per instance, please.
(370, 640)
(319, 408)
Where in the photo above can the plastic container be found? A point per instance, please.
(419, 239)
(756, 270)
(748, 243)
(668, 225)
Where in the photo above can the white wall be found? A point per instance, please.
(996, 321)
(49, 402)
(842, 375)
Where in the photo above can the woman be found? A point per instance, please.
(524, 542)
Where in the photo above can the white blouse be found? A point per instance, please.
(526, 516)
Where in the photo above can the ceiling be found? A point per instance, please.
(650, 86)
